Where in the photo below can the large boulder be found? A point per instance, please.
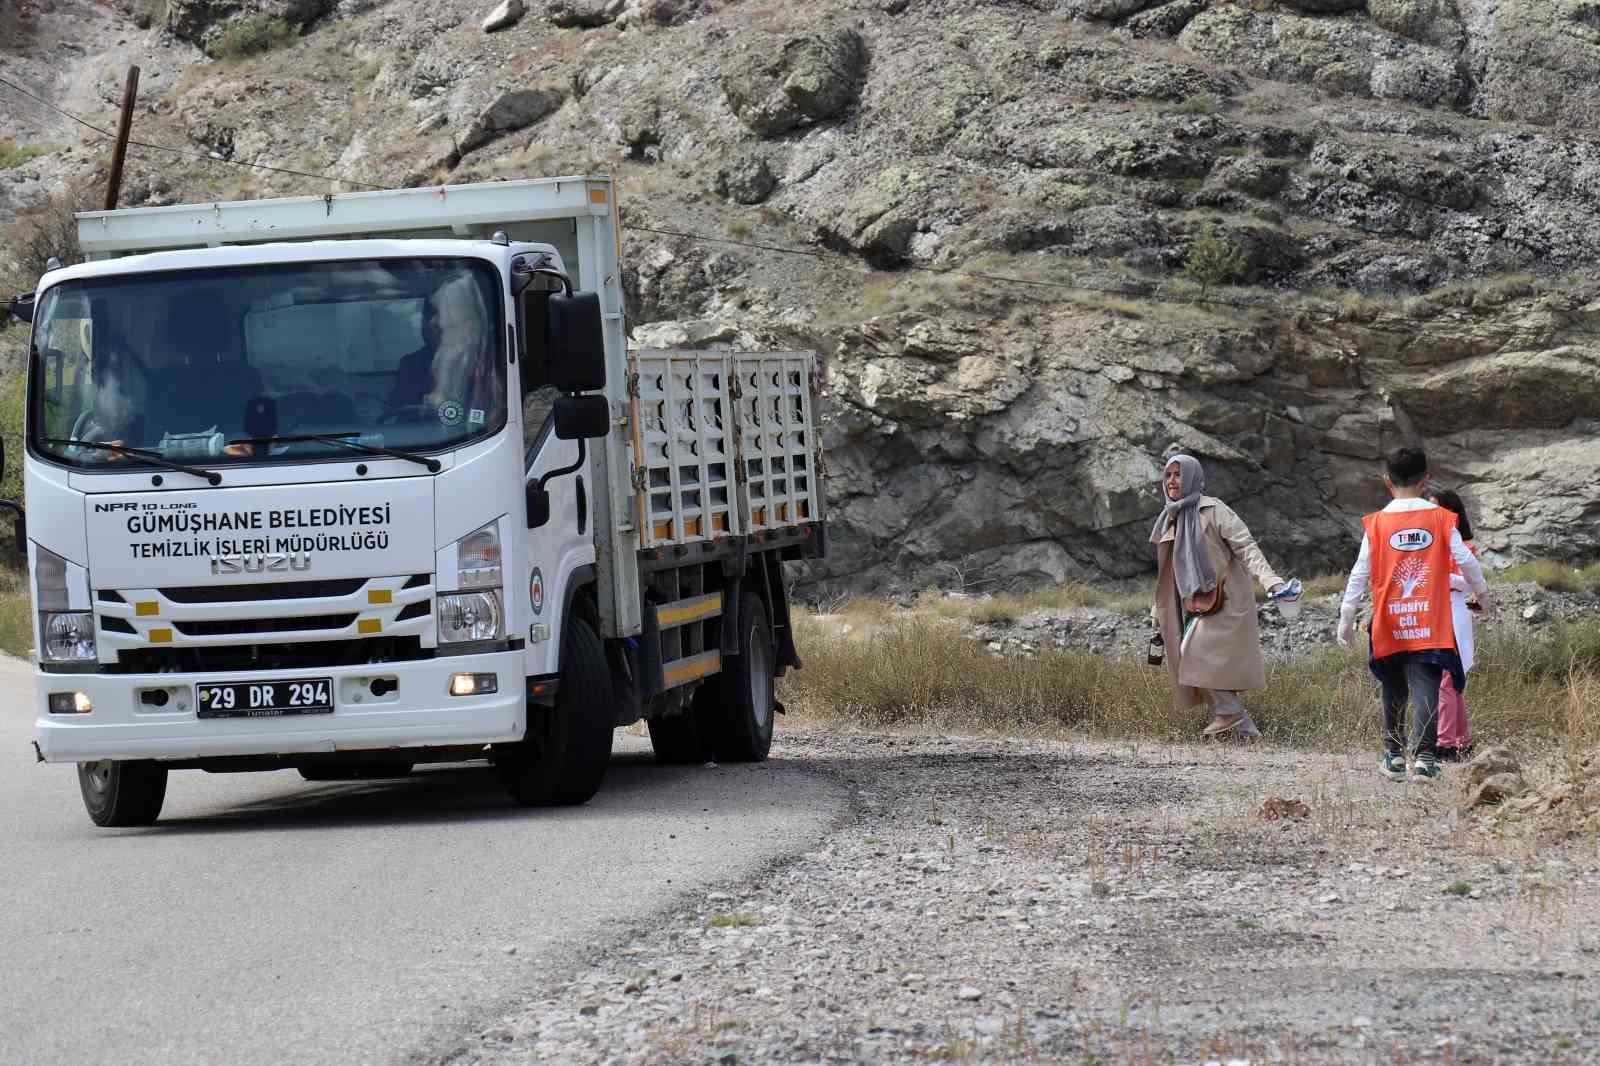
(746, 179)
(505, 14)
(585, 14)
(1168, 20)
(807, 80)
(1106, 10)
(507, 111)
(1337, 55)
(1531, 389)
(1535, 60)
(1109, 73)
(1326, 7)
(1435, 22)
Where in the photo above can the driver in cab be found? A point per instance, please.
(117, 397)
(452, 376)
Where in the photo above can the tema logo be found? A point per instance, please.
(1411, 540)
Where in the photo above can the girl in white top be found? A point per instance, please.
(1455, 738)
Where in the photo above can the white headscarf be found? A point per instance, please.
(1191, 564)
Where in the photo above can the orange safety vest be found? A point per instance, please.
(1410, 554)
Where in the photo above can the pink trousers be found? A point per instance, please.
(1453, 731)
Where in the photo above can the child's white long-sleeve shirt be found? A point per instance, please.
(1361, 573)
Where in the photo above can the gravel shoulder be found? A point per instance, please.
(1007, 900)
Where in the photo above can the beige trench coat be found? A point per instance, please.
(1224, 651)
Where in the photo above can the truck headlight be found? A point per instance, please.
(470, 616)
(68, 636)
(478, 559)
(64, 636)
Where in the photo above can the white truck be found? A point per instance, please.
(351, 483)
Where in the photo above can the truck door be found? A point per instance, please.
(561, 551)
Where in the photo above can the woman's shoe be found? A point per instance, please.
(1222, 725)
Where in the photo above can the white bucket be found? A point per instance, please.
(1290, 609)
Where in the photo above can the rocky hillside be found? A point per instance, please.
(1402, 193)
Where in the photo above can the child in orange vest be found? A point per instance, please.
(1406, 552)
(1455, 738)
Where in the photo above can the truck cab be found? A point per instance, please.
(348, 484)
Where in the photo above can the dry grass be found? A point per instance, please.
(16, 615)
(1556, 576)
(1009, 606)
(917, 670)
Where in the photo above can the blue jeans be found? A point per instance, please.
(1408, 678)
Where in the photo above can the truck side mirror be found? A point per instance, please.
(582, 417)
(538, 502)
(19, 307)
(575, 346)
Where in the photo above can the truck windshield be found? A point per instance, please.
(245, 364)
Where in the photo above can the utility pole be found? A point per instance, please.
(130, 90)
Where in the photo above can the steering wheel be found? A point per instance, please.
(409, 412)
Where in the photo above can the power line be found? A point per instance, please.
(1504, 331)
(185, 153)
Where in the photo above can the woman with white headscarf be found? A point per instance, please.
(1205, 604)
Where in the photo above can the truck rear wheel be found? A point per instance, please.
(747, 697)
(564, 756)
(123, 793)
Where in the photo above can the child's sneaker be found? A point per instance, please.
(1392, 766)
(1426, 768)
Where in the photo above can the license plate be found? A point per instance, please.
(265, 699)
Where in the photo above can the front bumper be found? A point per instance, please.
(419, 713)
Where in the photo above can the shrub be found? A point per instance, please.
(1198, 104)
(13, 154)
(1214, 259)
(254, 34)
(47, 228)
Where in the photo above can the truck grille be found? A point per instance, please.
(307, 655)
(283, 590)
(237, 626)
(300, 623)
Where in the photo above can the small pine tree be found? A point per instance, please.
(1213, 260)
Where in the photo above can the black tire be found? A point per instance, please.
(682, 738)
(747, 701)
(563, 759)
(123, 793)
(360, 772)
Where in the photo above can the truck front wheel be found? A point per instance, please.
(564, 755)
(123, 793)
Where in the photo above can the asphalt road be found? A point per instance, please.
(265, 919)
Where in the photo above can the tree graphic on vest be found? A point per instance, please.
(1411, 572)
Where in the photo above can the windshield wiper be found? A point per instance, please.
(143, 453)
(433, 465)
